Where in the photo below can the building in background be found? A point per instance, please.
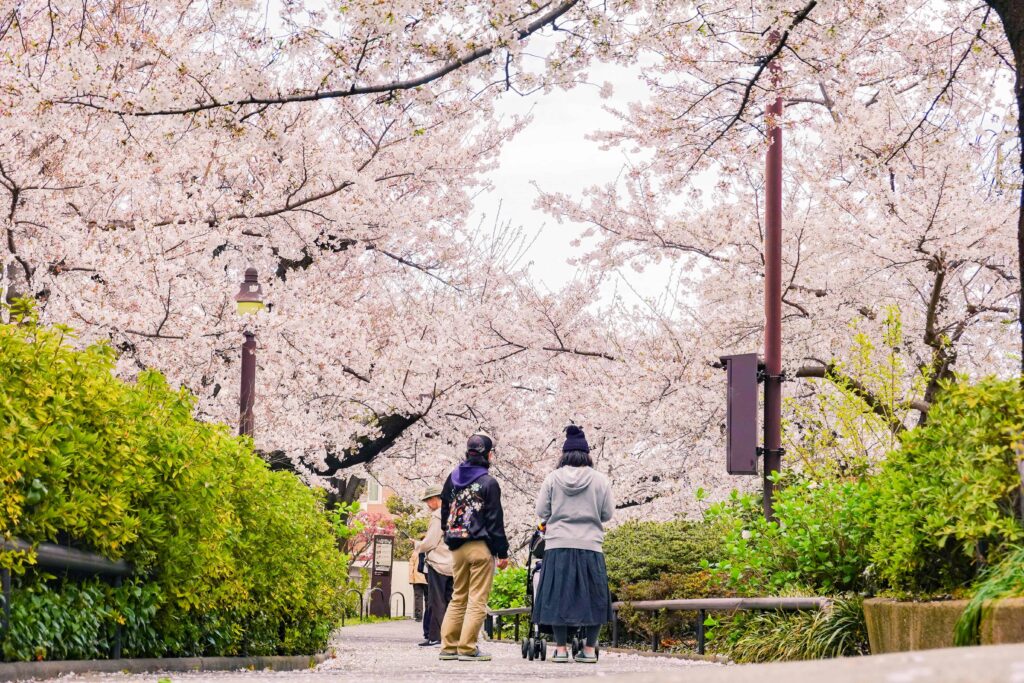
(374, 513)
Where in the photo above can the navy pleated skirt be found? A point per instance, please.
(573, 589)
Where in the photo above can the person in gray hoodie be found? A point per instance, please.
(575, 502)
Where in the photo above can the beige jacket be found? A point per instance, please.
(439, 557)
(414, 575)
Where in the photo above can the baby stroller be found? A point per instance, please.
(535, 645)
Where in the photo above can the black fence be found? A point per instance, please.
(701, 606)
(70, 561)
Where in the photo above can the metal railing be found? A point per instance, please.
(699, 605)
(53, 556)
(359, 595)
(393, 596)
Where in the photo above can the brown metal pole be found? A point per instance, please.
(247, 396)
(773, 294)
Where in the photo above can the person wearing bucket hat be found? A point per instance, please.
(439, 569)
(575, 502)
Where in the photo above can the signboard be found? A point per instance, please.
(741, 414)
(380, 579)
(383, 554)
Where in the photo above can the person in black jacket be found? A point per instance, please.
(474, 526)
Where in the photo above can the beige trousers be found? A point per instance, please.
(473, 575)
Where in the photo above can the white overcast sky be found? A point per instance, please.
(554, 152)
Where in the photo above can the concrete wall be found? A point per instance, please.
(903, 626)
(400, 584)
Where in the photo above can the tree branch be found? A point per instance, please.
(748, 89)
(877, 406)
(556, 12)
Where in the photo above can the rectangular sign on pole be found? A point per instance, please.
(380, 576)
(741, 414)
(382, 554)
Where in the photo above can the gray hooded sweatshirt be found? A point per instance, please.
(574, 503)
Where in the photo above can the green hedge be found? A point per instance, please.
(638, 551)
(236, 557)
(662, 561)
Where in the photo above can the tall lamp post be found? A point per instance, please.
(743, 370)
(773, 293)
(249, 300)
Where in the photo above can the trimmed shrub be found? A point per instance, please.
(78, 620)
(509, 590)
(644, 551)
(235, 557)
(661, 561)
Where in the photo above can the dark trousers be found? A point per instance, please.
(561, 633)
(419, 598)
(439, 594)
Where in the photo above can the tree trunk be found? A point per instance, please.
(1018, 52)
(1011, 12)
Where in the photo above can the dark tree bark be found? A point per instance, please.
(1012, 14)
(346, 490)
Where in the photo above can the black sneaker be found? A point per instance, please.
(429, 643)
(477, 656)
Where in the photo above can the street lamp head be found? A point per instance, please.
(250, 294)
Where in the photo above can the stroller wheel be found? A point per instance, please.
(526, 645)
(543, 650)
(529, 649)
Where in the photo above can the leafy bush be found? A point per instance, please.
(947, 500)
(818, 545)
(698, 584)
(509, 590)
(68, 620)
(236, 557)
(839, 631)
(942, 507)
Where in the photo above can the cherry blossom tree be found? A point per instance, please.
(151, 152)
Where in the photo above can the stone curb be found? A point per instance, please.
(694, 657)
(19, 671)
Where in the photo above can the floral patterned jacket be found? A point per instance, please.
(471, 509)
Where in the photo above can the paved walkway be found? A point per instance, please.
(388, 652)
(986, 664)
